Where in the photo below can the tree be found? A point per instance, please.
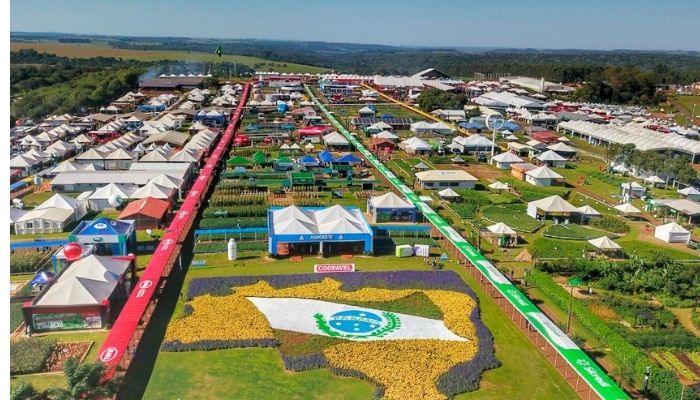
(83, 382)
(25, 391)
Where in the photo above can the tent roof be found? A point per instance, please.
(50, 214)
(654, 179)
(154, 190)
(59, 201)
(336, 219)
(110, 189)
(445, 175)
(448, 193)
(119, 154)
(688, 191)
(562, 147)
(550, 155)
(416, 144)
(543, 172)
(554, 204)
(148, 206)
(421, 165)
(105, 226)
(498, 186)
(627, 208)
(386, 135)
(389, 200)
(671, 227)
(501, 228)
(588, 210)
(507, 157)
(335, 138)
(684, 206)
(87, 281)
(604, 243)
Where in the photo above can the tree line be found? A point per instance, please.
(652, 162)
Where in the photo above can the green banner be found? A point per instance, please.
(586, 368)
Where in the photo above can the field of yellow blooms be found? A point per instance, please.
(406, 369)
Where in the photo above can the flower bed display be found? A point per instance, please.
(224, 313)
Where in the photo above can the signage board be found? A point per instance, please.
(327, 268)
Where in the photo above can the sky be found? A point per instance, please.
(543, 24)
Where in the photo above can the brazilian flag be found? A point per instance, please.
(218, 51)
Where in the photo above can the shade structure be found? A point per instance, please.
(308, 161)
(326, 157)
(448, 194)
(238, 161)
(349, 158)
(421, 166)
(551, 206)
(589, 211)
(501, 229)
(499, 186)
(627, 208)
(604, 243)
(318, 227)
(259, 158)
(672, 233)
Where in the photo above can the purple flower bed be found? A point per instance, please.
(446, 280)
(459, 379)
(205, 345)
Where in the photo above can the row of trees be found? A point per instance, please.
(625, 85)
(90, 90)
(652, 163)
(433, 99)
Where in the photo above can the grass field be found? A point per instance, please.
(73, 50)
(513, 215)
(16, 317)
(573, 232)
(259, 373)
(688, 101)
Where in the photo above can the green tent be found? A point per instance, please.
(238, 161)
(259, 158)
(284, 160)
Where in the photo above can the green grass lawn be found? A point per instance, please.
(513, 215)
(16, 317)
(572, 231)
(543, 247)
(240, 371)
(28, 238)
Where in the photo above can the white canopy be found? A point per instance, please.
(672, 233)
(550, 155)
(588, 211)
(389, 200)
(627, 208)
(507, 157)
(552, 204)
(448, 193)
(501, 229)
(152, 189)
(335, 139)
(604, 243)
(293, 220)
(498, 186)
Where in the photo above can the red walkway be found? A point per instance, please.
(121, 343)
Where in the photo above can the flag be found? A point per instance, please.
(218, 51)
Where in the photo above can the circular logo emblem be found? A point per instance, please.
(100, 225)
(356, 322)
(145, 284)
(108, 354)
(97, 239)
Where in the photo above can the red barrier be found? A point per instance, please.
(121, 343)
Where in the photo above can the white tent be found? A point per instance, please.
(542, 176)
(448, 194)
(99, 199)
(501, 229)
(415, 144)
(152, 189)
(335, 139)
(499, 186)
(551, 205)
(690, 193)
(588, 211)
(58, 200)
(389, 200)
(551, 158)
(672, 233)
(504, 160)
(47, 220)
(386, 135)
(89, 280)
(627, 208)
(604, 243)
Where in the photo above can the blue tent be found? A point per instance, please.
(17, 185)
(326, 157)
(42, 278)
(151, 107)
(472, 125)
(282, 107)
(387, 116)
(350, 159)
(308, 161)
(118, 236)
(510, 126)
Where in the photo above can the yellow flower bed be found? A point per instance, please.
(327, 289)
(220, 318)
(408, 369)
(456, 309)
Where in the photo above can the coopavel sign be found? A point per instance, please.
(325, 268)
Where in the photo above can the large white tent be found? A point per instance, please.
(552, 206)
(672, 233)
(604, 243)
